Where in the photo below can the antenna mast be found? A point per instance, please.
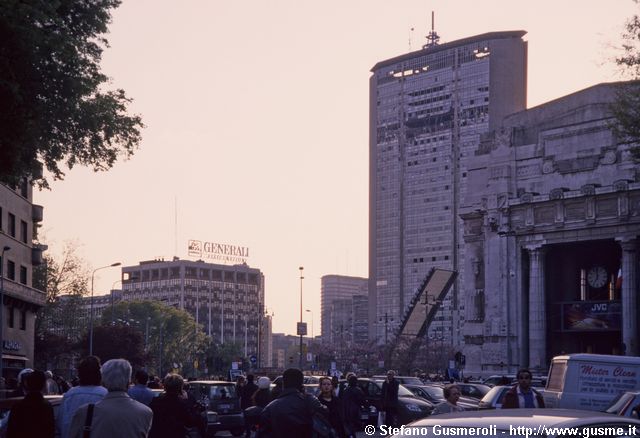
(433, 37)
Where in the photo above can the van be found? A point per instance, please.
(590, 381)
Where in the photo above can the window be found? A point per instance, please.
(23, 274)
(11, 316)
(11, 270)
(12, 225)
(23, 320)
(23, 231)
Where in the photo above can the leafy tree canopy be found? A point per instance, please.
(55, 105)
(626, 108)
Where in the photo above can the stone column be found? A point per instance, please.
(629, 296)
(537, 310)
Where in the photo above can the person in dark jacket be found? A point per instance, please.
(390, 389)
(291, 414)
(523, 395)
(248, 390)
(328, 398)
(352, 400)
(32, 417)
(172, 414)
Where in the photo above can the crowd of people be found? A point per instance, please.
(107, 400)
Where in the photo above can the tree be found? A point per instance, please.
(117, 341)
(55, 103)
(626, 108)
(170, 334)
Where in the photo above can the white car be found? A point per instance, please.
(547, 423)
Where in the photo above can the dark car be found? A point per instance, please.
(220, 397)
(435, 394)
(410, 407)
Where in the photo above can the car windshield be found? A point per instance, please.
(402, 391)
(220, 392)
(619, 403)
(434, 391)
(411, 381)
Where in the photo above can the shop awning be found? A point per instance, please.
(13, 357)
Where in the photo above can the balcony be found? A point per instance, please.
(37, 213)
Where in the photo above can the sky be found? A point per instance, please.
(256, 117)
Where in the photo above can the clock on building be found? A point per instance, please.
(597, 277)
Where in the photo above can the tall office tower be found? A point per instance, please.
(332, 288)
(427, 111)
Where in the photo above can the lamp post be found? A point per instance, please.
(4, 249)
(301, 278)
(113, 265)
(311, 322)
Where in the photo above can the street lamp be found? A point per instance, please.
(113, 265)
(4, 249)
(301, 278)
(311, 322)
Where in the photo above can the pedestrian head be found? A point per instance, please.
(264, 383)
(35, 381)
(325, 385)
(292, 378)
(391, 374)
(452, 393)
(48, 374)
(141, 377)
(250, 378)
(89, 371)
(116, 374)
(173, 384)
(524, 378)
(22, 375)
(352, 380)
(335, 381)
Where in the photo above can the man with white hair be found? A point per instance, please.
(117, 414)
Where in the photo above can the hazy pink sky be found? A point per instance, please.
(257, 123)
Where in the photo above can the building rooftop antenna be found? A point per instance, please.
(433, 37)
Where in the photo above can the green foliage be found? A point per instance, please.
(55, 103)
(170, 334)
(626, 108)
(220, 356)
(116, 341)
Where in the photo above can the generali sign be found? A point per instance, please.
(220, 252)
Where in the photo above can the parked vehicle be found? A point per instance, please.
(502, 423)
(410, 407)
(590, 381)
(627, 404)
(510, 379)
(493, 399)
(405, 380)
(473, 390)
(222, 400)
(434, 394)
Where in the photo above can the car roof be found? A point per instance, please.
(503, 418)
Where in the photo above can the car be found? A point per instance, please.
(548, 423)
(626, 404)
(405, 380)
(410, 407)
(473, 390)
(493, 399)
(434, 394)
(221, 399)
(510, 379)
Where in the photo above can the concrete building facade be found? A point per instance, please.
(336, 301)
(227, 301)
(22, 300)
(428, 109)
(551, 236)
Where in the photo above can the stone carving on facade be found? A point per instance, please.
(526, 197)
(557, 193)
(609, 157)
(621, 185)
(548, 166)
(588, 189)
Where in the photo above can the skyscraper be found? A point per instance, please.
(428, 109)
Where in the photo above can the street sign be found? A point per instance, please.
(253, 359)
(302, 329)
